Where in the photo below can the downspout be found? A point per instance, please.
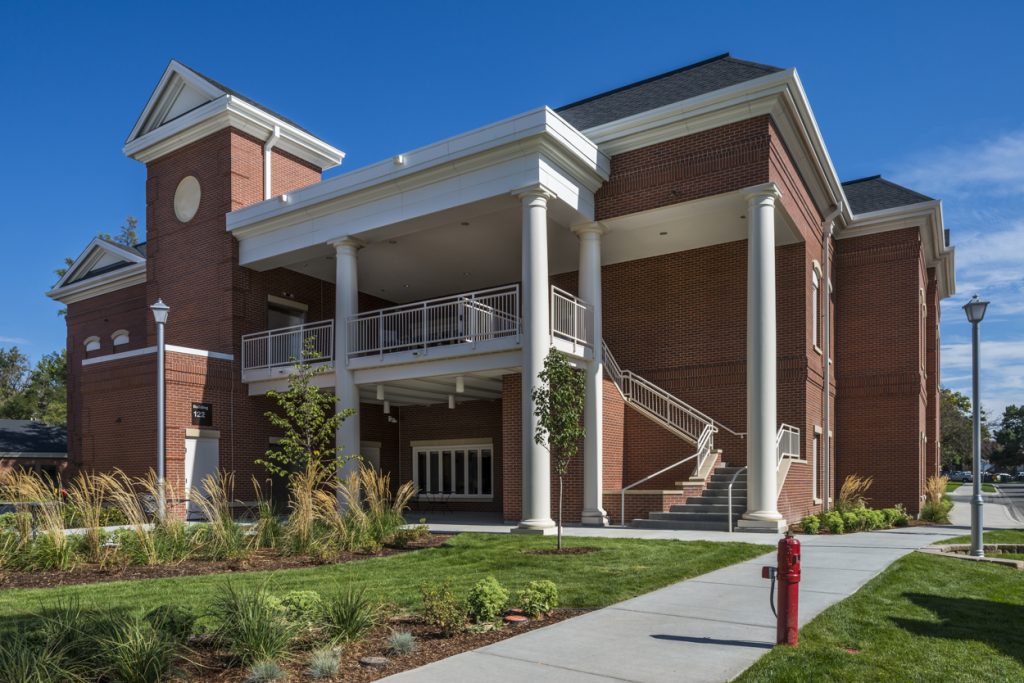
(825, 310)
(275, 135)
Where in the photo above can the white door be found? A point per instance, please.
(202, 459)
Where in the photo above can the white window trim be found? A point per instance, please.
(92, 343)
(815, 450)
(120, 337)
(816, 307)
(442, 445)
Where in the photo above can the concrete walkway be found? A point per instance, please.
(709, 628)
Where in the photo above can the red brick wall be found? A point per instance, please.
(880, 402)
(711, 162)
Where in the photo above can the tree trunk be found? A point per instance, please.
(559, 512)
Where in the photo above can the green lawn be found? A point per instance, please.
(621, 568)
(954, 485)
(926, 618)
(1005, 536)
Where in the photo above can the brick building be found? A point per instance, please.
(685, 240)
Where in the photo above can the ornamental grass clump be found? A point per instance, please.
(349, 615)
(937, 504)
(136, 544)
(265, 672)
(324, 663)
(401, 643)
(86, 499)
(221, 538)
(851, 493)
(136, 652)
(37, 502)
(250, 623)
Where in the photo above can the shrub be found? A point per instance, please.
(901, 516)
(348, 616)
(442, 609)
(851, 494)
(538, 598)
(324, 663)
(877, 520)
(302, 607)
(136, 652)
(811, 524)
(852, 521)
(937, 513)
(250, 624)
(265, 672)
(401, 643)
(833, 521)
(487, 599)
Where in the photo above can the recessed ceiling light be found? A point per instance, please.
(406, 286)
(466, 273)
(743, 217)
(662, 233)
(465, 222)
(392, 241)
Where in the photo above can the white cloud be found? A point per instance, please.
(13, 340)
(1002, 372)
(992, 168)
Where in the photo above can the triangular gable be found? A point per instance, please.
(100, 256)
(179, 91)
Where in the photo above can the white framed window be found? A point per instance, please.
(815, 449)
(459, 471)
(815, 306)
(120, 337)
(92, 343)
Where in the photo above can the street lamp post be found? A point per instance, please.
(160, 311)
(975, 310)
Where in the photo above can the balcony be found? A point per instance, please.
(475, 323)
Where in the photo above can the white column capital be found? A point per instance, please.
(767, 193)
(347, 243)
(533, 193)
(594, 228)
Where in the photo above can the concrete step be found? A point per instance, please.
(678, 526)
(701, 506)
(726, 478)
(689, 516)
(737, 492)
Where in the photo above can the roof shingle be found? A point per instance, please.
(875, 193)
(675, 86)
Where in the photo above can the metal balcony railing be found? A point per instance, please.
(571, 319)
(287, 345)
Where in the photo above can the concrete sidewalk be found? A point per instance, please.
(996, 514)
(709, 628)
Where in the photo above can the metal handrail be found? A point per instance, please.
(622, 493)
(731, 482)
(787, 444)
(286, 345)
(571, 319)
(469, 317)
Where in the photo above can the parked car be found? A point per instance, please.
(958, 476)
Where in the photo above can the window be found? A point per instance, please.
(458, 471)
(815, 444)
(92, 344)
(815, 303)
(120, 338)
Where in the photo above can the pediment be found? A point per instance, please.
(179, 91)
(100, 257)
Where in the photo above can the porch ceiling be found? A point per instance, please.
(479, 386)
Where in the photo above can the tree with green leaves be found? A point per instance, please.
(1009, 439)
(15, 372)
(956, 421)
(559, 401)
(38, 393)
(308, 418)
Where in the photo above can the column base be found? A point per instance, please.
(537, 527)
(596, 517)
(764, 526)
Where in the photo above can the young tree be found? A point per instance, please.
(1009, 450)
(559, 403)
(308, 418)
(955, 419)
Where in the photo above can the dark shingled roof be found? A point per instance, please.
(27, 438)
(875, 193)
(235, 93)
(675, 86)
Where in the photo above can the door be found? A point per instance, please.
(285, 348)
(202, 459)
(371, 454)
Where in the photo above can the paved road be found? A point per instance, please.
(1013, 498)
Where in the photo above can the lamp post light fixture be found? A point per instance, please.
(975, 310)
(160, 311)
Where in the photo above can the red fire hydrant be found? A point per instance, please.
(788, 575)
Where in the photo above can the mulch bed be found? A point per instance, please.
(580, 550)
(431, 646)
(260, 560)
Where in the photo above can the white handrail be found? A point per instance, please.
(470, 317)
(287, 345)
(729, 502)
(571, 319)
(787, 444)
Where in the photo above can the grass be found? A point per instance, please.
(926, 618)
(621, 569)
(954, 485)
(1006, 536)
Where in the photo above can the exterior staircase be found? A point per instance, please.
(710, 510)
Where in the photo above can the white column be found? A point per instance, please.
(536, 494)
(346, 303)
(590, 292)
(762, 473)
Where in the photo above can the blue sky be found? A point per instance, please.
(925, 93)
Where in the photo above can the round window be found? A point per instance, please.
(186, 199)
